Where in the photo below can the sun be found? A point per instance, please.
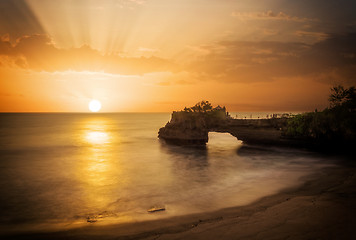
(94, 105)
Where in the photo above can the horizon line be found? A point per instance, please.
(94, 113)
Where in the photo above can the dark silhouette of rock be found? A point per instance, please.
(192, 125)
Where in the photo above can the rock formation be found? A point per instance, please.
(192, 126)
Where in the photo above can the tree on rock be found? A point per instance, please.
(341, 97)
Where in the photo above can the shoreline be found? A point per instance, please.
(321, 208)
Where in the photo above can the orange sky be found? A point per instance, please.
(162, 55)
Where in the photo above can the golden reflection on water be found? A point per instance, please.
(97, 137)
(99, 168)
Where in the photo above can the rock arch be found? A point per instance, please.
(191, 129)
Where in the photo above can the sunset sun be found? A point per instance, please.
(94, 105)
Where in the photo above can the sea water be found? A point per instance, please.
(68, 169)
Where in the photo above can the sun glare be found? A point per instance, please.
(94, 105)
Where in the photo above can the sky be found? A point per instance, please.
(162, 55)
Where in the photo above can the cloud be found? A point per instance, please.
(330, 60)
(38, 52)
(243, 60)
(315, 35)
(269, 15)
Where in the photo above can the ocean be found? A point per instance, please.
(63, 170)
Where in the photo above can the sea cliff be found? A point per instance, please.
(192, 126)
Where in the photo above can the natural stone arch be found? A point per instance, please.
(193, 129)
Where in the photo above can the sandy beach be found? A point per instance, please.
(322, 208)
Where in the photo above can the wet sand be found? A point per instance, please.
(322, 208)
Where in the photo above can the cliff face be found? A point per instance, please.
(329, 130)
(259, 131)
(183, 136)
(191, 127)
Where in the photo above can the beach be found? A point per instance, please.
(321, 208)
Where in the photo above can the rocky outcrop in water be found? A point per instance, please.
(193, 129)
(192, 125)
(332, 130)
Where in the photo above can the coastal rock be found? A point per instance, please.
(176, 135)
(192, 126)
(185, 128)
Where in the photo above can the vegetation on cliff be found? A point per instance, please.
(335, 124)
(204, 107)
(201, 115)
